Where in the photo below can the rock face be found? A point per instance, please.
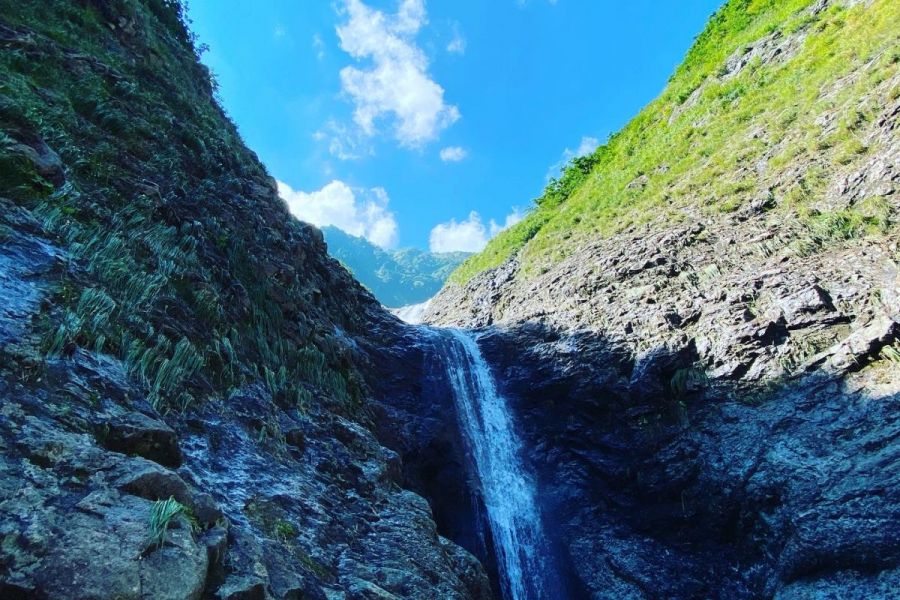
(710, 408)
(711, 403)
(168, 331)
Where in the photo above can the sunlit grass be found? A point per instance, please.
(697, 146)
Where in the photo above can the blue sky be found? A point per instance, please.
(422, 124)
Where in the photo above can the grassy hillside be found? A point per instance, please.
(768, 105)
(181, 259)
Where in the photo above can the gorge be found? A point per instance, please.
(524, 558)
(675, 378)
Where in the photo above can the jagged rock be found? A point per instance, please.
(798, 308)
(153, 316)
(135, 433)
(98, 550)
(248, 588)
(45, 162)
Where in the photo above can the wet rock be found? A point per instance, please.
(138, 434)
(246, 588)
(470, 571)
(295, 438)
(153, 482)
(845, 584)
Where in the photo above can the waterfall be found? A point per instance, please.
(523, 556)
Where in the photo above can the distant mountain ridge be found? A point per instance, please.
(399, 278)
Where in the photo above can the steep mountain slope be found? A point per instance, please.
(773, 107)
(698, 325)
(769, 163)
(399, 278)
(167, 330)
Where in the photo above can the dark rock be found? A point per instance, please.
(137, 434)
(206, 510)
(42, 158)
(248, 588)
(148, 480)
(296, 438)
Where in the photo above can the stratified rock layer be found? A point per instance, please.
(712, 404)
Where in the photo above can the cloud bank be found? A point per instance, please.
(396, 85)
(359, 212)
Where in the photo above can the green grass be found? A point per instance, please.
(160, 212)
(162, 514)
(694, 143)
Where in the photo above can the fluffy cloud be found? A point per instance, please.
(359, 212)
(397, 83)
(469, 235)
(587, 145)
(453, 154)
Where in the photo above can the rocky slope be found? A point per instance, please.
(710, 396)
(168, 331)
(399, 278)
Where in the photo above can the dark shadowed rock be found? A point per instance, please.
(135, 433)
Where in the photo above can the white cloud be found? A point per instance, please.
(359, 212)
(279, 32)
(511, 219)
(453, 154)
(344, 143)
(397, 84)
(457, 45)
(470, 235)
(318, 45)
(588, 145)
(465, 236)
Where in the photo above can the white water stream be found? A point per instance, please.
(508, 492)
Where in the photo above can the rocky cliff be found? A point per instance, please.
(698, 325)
(184, 373)
(696, 330)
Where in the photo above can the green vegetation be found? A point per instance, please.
(181, 257)
(399, 278)
(285, 530)
(720, 137)
(688, 380)
(891, 353)
(161, 515)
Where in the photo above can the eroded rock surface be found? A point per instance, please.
(711, 405)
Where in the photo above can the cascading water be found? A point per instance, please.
(523, 555)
